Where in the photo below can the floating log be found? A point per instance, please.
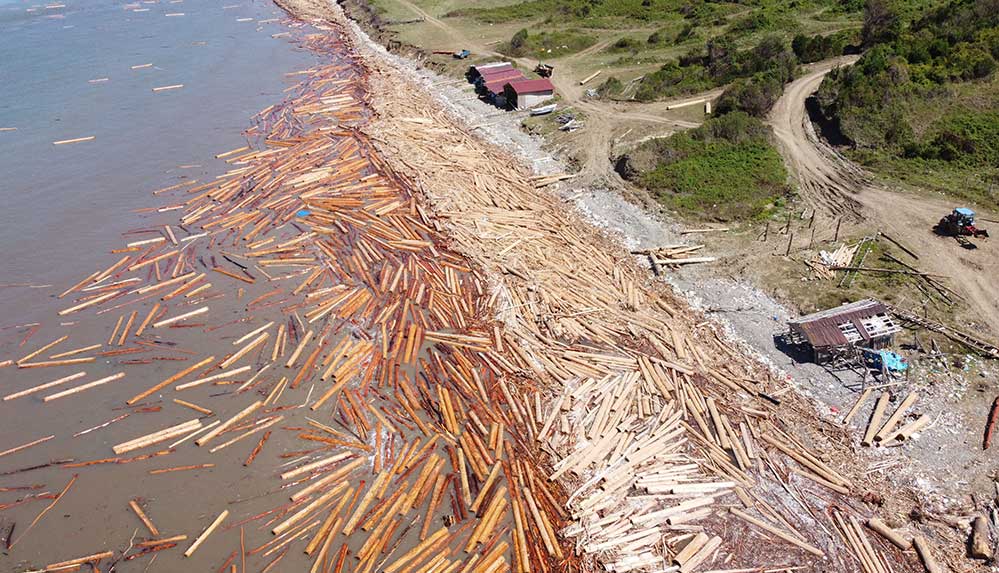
(25, 446)
(82, 387)
(157, 437)
(45, 386)
(204, 535)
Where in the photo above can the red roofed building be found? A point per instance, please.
(474, 72)
(522, 94)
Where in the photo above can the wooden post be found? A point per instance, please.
(838, 223)
(789, 239)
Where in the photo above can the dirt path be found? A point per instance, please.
(829, 182)
(825, 179)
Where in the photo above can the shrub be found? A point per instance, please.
(726, 169)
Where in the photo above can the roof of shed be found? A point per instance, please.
(492, 72)
(498, 85)
(508, 75)
(822, 328)
(532, 86)
(483, 68)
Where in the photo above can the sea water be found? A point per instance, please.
(79, 68)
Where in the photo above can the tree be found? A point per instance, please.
(518, 42)
(881, 23)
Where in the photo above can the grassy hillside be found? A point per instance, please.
(922, 104)
(724, 170)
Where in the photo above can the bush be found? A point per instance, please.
(547, 44)
(721, 63)
(755, 95)
(726, 169)
(810, 49)
(611, 87)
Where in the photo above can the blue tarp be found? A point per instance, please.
(893, 361)
(965, 211)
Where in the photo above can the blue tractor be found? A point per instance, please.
(960, 224)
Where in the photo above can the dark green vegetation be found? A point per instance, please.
(690, 45)
(768, 65)
(921, 104)
(810, 49)
(724, 170)
(547, 44)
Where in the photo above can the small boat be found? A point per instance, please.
(543, 109)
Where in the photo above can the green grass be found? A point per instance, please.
(724, 170)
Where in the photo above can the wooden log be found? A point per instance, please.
(979, 546)
(923, 550)
(856, 407)
(212, 378)
(179, 318)
(83, 387)
(897, 539)
(705, 552)
(45, 386)
(779, 533)
(157, 437)
(896, 417)
(31, 355)
(245, 350)
(143, 518)
(194, 407)
(88, 304)
(589, 77)
(906, 431)
(229, 423)
(75, 351)
(52, 363)
(155, 542)
(62, 565)
(25, 446)
(692, 547)
(204, 535)
(875, 422)
(170, 380)
(990, 424)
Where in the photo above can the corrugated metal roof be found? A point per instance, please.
(822, 328)
(492, 66)
(508, 75)
(532, 86)
(499, 85)
(492, 72)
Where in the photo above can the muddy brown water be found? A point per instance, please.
(61, 234)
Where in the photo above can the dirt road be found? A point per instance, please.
(825, 178)
(832, 184)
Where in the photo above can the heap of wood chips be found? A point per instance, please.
(472, 379)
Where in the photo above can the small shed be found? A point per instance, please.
(834, 333)
(523, 94)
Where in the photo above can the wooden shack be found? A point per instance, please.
(834, 334)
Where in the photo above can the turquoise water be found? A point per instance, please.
(64, 206)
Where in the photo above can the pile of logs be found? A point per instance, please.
(890, 431)
(673, 256)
